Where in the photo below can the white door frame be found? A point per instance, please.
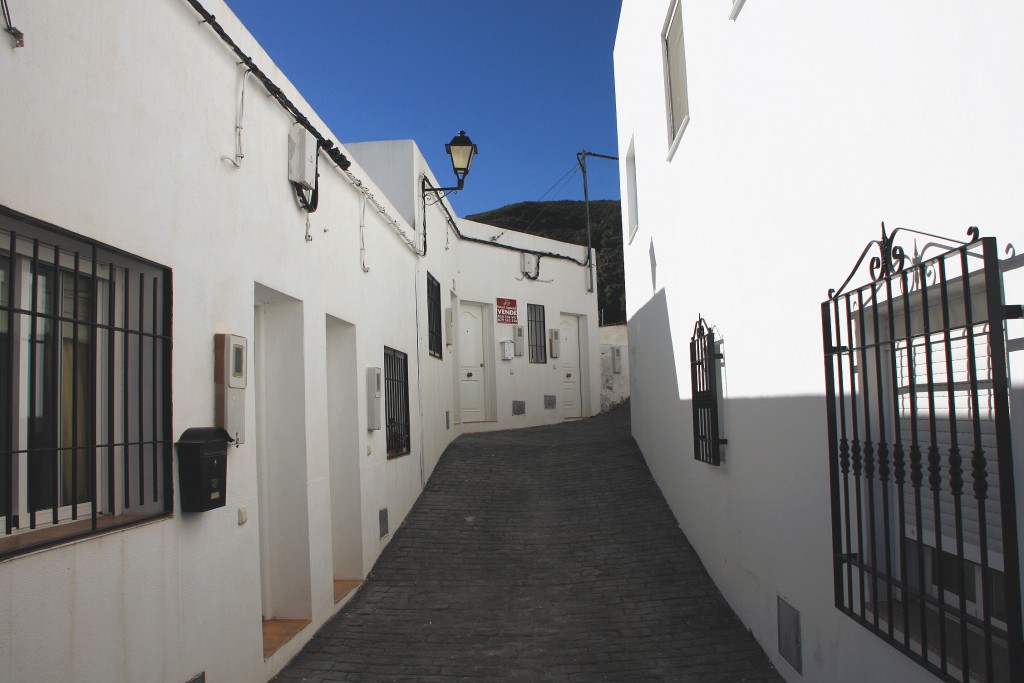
(486, 368)
(571, 348)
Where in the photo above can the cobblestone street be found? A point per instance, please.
(537, 554)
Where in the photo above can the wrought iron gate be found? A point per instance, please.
(924, 530)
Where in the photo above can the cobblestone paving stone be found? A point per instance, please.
(541, 554)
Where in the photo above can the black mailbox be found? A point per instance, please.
(202, 468)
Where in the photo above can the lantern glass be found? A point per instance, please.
(462, 151)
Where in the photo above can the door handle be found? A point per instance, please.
(469, 374)
(568, 374)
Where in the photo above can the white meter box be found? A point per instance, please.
(302, 151)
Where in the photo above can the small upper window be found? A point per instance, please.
(396, 401)
(434, 316)
(634, 216)
(536, 332)
(675, 76)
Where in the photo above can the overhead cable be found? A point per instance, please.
(326, 144)
(395, 225)
(455, 228)
(556, 188)
(237, 161)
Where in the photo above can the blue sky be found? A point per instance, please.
(529, 81)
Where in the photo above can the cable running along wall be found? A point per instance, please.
(325, 144)
(328, 147)
(428, 187)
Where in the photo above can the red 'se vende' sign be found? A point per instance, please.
(508, 312)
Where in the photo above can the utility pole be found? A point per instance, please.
(581, 158)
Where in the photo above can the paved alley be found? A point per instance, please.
(542, 554)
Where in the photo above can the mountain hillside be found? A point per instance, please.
(566, 221)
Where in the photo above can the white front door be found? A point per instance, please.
(472, 363)
(569, 360)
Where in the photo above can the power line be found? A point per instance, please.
(559, 184)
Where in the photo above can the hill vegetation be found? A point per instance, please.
(566, 221)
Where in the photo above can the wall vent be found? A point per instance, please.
(383, 522)
(519, 407)
(789, 635)
(550, 402)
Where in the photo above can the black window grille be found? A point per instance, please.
(704, 364)
(924, 519)
(536, 333)
(396, 401)
(434, 316)
(85, 385)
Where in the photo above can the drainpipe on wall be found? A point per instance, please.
(419, 362)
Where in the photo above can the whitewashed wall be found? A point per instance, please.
(614, 385)
(118, 116)
(810, 123)
(485, 276)
(483, 273)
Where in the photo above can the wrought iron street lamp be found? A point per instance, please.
(462, 150)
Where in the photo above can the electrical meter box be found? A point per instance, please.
(302, 151)
(202, 468)
(508, 348)
(556, 345)
(230, 378)
(520, 339)
(529, 264)
(373, 392)
(617, 359)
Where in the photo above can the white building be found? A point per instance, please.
(763, 144)
(614, 365)
(143, 212)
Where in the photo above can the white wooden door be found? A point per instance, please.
(569, 360)
(472, 363)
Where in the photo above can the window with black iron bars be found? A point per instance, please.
(536, 333)
(704, 365)
(434, 342)
(396, 401)
(85, 383)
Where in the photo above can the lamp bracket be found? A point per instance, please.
(438, 193)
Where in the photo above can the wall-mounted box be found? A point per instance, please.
(617, 359)
(556, 342)
(529, 264)
(449, 326)
(373, 394)
(302, 151)
(202, 468)
(508, 348)
(230, 370)
(519, 337)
